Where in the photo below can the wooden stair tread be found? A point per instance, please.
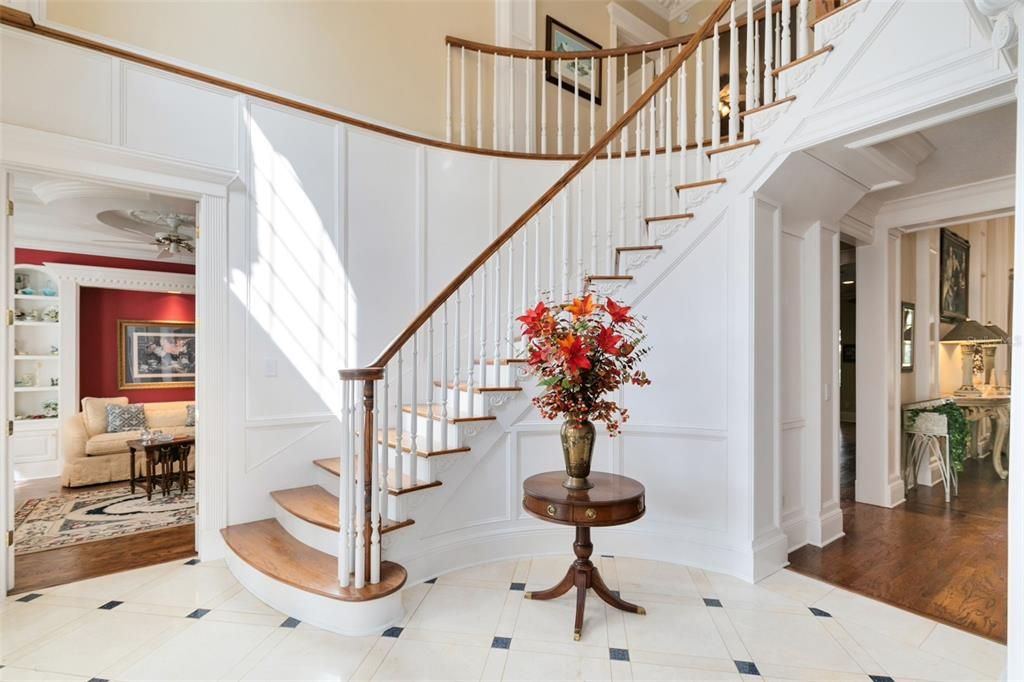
(422, 411)
(612, 278)
(652, 247)
(272, 551)
(700, 183)
(730, 147)
(765, 107)
(479, 389)
(504, 361)
(806, 58)
(314, 504)
(409, 485)
(673, 216)
(833, 12)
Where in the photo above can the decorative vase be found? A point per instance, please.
(578, 448)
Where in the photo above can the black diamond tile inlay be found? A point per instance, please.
(111, 605)
(712, 602)
(607, 556)
(820, 613)
(618, 654)
(517, 587)
(747, 668)
(290, 622)
(880, 678)
(98, 679)
(501, 642)
(198, 613)
(431, 581)
(30, 597)
(192, 562)
(392, 632)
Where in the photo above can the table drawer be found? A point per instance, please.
(608, 514)
(548, 510)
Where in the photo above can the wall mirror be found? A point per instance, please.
(907, 337)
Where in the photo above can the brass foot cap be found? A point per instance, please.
(527, 595)
(576, 635)
(641, 611)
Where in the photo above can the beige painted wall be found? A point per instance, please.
(379, 59)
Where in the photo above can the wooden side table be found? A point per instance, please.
(154, 451)
(614, 500)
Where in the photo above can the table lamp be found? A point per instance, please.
(989, 356)
(968, 334)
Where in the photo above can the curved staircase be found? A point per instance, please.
(320, 558)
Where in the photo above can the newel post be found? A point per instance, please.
(1008, 18)
(367, 475)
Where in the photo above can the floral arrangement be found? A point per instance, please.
(581, 352)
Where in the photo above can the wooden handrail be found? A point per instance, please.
(560, 184)
(500, 51)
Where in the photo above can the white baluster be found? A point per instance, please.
(698, 125)
(470, 349)
(593, 219)
(497, 316)
(558, 97)
(784, 35)
(462, 95)
(734, 76)
(429, 386)
(494, 103)
(511, 103)
(778, 38)
(716, 110)
(576, 107)
(609, 106)
(551, 250)
(483, 330)
(768, 89)
(751, 55)
(684, 132)
(609, 97)
(638, 217)
(757, 64)
(400, 427)
(802, 29)
(579, 234)
(444, 371)
(375, 487)
(625, 104)
(359, 580)
(345, 490)
(479, 99)
(543, 107)
(525, 284)
(624, 136)
(414, 425)
(652, 208)
(510, 316)
(593, 96)
(666, 126)
(383, 463)
(448, 93)
(536, 260)
(565, 243)
(529, 105)
(661, 102)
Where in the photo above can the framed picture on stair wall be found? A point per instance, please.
(155, 354)
(954, 271)
(573, 72)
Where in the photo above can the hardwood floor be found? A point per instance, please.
(91, 559)
(947, 562)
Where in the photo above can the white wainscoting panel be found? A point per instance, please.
(176, 117)
(55, 87)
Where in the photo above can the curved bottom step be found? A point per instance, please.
(302, 582)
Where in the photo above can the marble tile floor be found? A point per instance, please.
(193, 621)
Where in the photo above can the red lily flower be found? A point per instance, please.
(573, 353)
(608, 341)
(533, 318)
(619, 313)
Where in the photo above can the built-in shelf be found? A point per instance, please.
(36, 357)
(35, 297)
(33, 323)
(41, 421)
(31, 389)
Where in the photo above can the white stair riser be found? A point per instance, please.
(475, 400)
(396, 506)
(454, 432)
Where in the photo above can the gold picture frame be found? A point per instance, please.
(152, 354)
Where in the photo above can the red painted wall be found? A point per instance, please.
(99, 311)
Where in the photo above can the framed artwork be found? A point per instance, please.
(156, 354)
(907, 337)
(561, 38)
(954, 270)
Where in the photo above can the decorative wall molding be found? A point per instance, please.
(950, 206)
(671, 10)
(631, 27)
(122, 278)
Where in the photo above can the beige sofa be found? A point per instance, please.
(91, 455)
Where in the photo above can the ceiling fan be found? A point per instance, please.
(170, 242)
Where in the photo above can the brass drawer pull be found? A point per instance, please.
(551, 510)
(591, 514)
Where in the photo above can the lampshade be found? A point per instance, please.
(970, 332)
(997, 330)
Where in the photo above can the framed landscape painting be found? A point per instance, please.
(155, 354)
(954, 269)
(573, 72)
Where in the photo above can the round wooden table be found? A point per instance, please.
(614, 500)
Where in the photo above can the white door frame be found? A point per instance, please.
(41, 152)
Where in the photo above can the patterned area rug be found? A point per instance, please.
(87, 516)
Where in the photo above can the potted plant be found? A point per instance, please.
(581, 352)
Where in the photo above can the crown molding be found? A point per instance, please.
(122, 278)
(955, 205)
(59, 189)
(671, 10)
(635, 29)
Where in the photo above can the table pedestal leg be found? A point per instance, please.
(584, 575)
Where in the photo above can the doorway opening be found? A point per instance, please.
(101, 396)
